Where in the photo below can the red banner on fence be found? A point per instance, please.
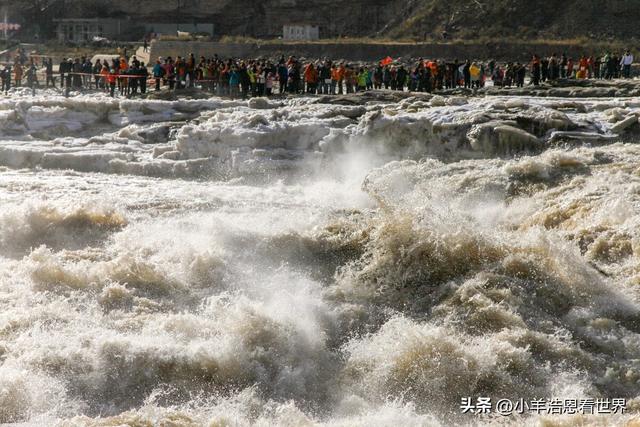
(9, 27)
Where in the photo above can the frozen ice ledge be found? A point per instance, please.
(213, 137)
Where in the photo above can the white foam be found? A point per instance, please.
(412, 254)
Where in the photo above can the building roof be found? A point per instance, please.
(79, 20)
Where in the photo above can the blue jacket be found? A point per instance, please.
(158, 71)
(234, 78)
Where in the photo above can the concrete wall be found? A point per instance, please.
(367, 52)
(162, 28)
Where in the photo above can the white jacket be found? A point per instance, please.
(627, 60)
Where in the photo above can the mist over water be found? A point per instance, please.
(234, 263)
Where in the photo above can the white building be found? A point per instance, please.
(300, 32)
(83, 30)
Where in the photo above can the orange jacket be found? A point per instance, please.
(310, 74)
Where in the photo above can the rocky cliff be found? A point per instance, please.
(417, 19)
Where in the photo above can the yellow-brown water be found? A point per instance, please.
(321, 265)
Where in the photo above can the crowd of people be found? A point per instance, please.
(609, 66)
(244, 78)
(129, 76)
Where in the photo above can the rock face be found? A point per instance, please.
(522, 19)
(243, 17)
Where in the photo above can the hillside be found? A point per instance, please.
(406, 19)
(519, 19)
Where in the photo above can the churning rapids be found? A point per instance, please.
(332, 262)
